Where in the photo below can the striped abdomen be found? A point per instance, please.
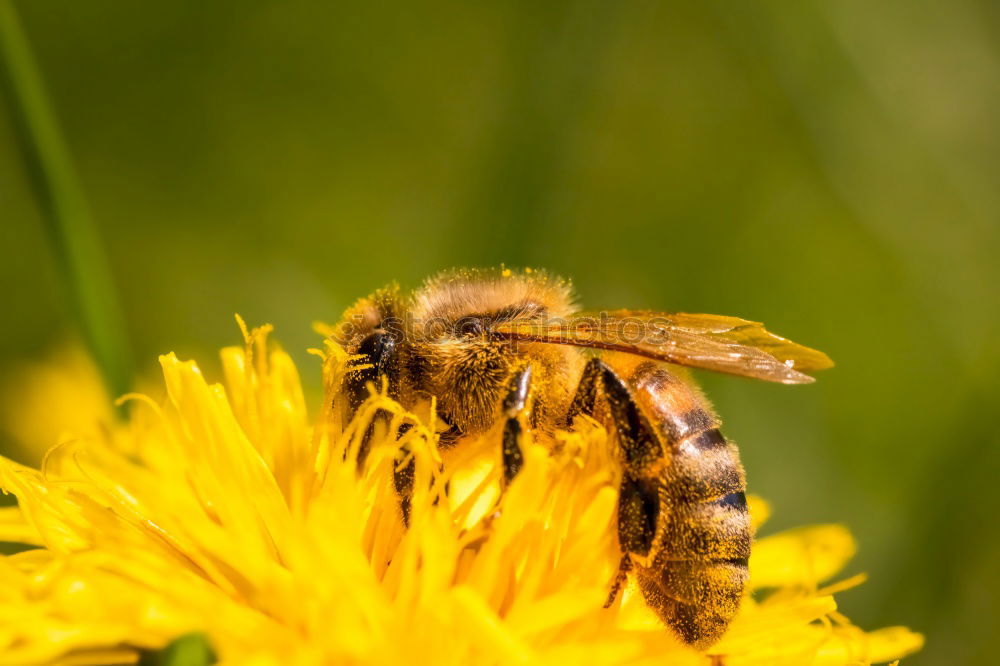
(690, 558)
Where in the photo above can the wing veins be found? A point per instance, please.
(723, 344)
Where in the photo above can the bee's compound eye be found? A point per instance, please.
(470, 327)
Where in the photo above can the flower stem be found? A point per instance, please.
(67, 219)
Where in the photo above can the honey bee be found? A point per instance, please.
(512, 347)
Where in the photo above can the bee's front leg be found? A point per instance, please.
(516, 403)
(381, 372)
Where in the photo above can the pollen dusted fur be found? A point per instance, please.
(483, 344)
(441, 348)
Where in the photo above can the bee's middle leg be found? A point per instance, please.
(515, 404)
(404, 472)
(404, 469)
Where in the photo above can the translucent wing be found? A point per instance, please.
(724, 344)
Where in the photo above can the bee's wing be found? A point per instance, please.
(724, 344)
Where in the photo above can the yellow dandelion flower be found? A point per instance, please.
(226, 511)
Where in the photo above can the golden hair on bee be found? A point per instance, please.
(458, 360)
(509, 349)
(495, 294)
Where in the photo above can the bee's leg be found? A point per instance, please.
(585, 398)
(640, 448)
(403, 472)
(450, 436)
(623, 568)
(515, 403)
(638, 440)
(381, 418)
(382, 370)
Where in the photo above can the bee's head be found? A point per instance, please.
(371, 330)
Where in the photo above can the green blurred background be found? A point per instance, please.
(831, 168)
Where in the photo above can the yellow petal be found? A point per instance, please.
(805, 556)
(16, 529)
(893, 643)
(760, 510)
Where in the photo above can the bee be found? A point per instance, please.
(498, 345)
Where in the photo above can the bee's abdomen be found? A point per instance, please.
(696, 570)
(697, 600)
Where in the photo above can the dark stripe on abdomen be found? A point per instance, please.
(686, 424)
(736, 500)
(706, 441)
(706, 531)
(703, 475)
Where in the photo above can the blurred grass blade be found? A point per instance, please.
(64, 209)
